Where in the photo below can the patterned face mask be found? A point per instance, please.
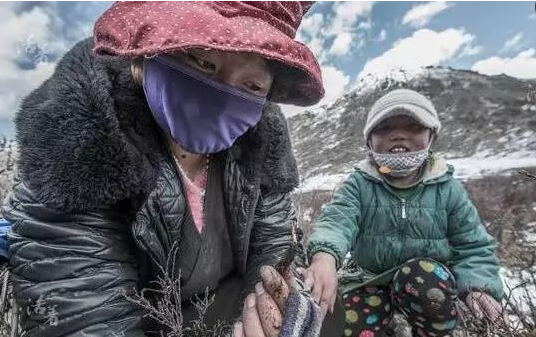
(401, 164)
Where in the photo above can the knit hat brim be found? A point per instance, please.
(404, 109)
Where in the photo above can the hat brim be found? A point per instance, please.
(121, 36)
(413, 111)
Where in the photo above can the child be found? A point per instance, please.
(409, 224)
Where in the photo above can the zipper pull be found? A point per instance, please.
(403, 208)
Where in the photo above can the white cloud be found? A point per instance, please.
(420, 15)
(521, 66)
(38, 34)
(532, 16)
(342, 26)
(341, 45)
(527, 53)
(470, 50)
(30, 37)
(345, 27)
(514, 43)
(382, 36)
(347, 13)
(365, 25)
(310, 33)
(335, 83)
(311, 24)
(426, 47)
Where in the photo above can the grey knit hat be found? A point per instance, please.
(402, 102)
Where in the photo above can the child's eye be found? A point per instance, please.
(382, 129)
(417, 127)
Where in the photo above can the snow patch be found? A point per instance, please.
(478, 167)
(322, 182)
(332, 145)
(489, 104)
(395, 76)
(465, 168)
(528, 107)
(519, 287)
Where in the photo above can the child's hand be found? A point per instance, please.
(482, 303)
(321, 277)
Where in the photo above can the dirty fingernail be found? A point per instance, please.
(237, 330)
(259, 289)
(324, 311)
(250, 300)
(266, 274)
(308, 283)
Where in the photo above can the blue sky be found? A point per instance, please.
(351, 39)
(491, 23)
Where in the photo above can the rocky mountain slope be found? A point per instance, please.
(483, 117)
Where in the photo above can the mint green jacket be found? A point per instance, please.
(381, 229)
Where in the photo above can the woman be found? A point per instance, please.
(154, 149)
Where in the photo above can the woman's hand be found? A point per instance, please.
(483, 305)
(262, 315)
(321, 278)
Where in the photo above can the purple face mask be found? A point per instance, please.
(201, 114)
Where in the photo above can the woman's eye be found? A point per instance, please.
(204, 65)
(253, 87)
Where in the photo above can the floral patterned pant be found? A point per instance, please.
(423, 290)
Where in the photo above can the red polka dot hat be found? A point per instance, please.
(267, 28)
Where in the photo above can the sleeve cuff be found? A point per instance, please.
(323, 249)
(463, 292)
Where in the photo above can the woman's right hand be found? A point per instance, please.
(321, 278)
(262, 315)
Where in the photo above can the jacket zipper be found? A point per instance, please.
(403, 208)
(402, 231)
(249, 210)
(250, 218)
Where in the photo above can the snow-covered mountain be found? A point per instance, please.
(489, 124)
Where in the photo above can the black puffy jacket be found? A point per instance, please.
(99, 203)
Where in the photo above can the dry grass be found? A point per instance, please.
(162, 304)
